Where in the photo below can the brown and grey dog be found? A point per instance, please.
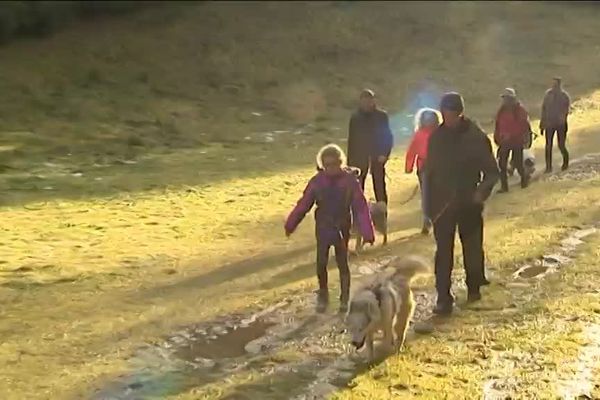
(385, 303)
(379, 215)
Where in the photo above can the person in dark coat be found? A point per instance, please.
(370, 143)
(461, 172)
(555, 111)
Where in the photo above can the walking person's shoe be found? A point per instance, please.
(548, 170)
(565, 167)
(485, 282)
(503, 190)
(443, 306)
(322, 301)
(473, 295)
(443, 309)
(525, 181)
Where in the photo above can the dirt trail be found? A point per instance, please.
(202, 355)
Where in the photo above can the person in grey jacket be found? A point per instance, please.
(555, 110)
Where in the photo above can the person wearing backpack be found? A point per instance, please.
(511, 134)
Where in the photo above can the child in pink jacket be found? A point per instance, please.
(339, 198)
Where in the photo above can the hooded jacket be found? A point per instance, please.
(339, 200)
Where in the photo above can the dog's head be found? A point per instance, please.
(362, 315)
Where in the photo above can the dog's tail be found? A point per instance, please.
(408, 268)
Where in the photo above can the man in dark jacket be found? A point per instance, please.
(461, 172)
(555, 110)
(370, 142)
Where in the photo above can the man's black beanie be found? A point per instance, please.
(452, 101)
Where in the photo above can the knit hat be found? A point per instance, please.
(452, 101)
(509, 92)
(367, 93)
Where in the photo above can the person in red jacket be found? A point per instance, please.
(426, 121)
(510, 135)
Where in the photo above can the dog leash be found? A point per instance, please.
(443, 210)
(411, 196)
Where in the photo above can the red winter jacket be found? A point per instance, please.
(418, 149)
(512, 126)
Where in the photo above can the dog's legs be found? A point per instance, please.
(405, 313)
(359, 245)
(370, 352)
(388, 333)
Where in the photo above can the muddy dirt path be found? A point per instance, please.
(202, 355)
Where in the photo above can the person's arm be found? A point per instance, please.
(543, 116)
(489, 168)
(411, 155)
(567, 105)
(361, 213)
(429, 169)
(386, 138)
(302, 207)
(497, 130)
(352, 141)
(527, 131)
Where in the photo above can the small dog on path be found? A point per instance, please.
(386, 303)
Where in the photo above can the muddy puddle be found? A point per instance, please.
(230, 344)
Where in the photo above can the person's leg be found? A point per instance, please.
(341, 257)
(362, 178)
(426, 218)
(517, 157)
(470, 230)
(322, 260)
(444, 230)
(549, 144)
(484, 281)
(378, 175)
(562, 144)
(503, 153)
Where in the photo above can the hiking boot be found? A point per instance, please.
(322, 301)
(473, 296)
(443, 308)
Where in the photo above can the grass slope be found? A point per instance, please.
(99, 254)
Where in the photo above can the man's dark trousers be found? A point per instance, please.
(560, 130)
(378, 175)
(469, 220)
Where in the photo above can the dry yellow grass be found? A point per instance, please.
(124, 253)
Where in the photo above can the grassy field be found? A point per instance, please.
(140, 188)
